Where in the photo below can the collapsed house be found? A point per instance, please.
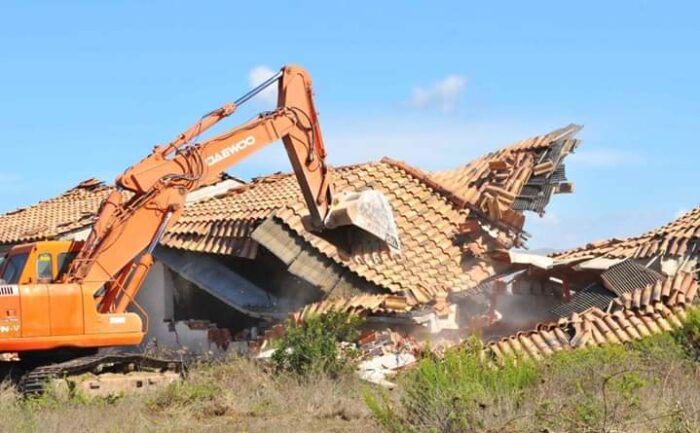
(447, 223)
(241, 256)
(640, 313)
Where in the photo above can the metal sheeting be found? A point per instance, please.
(593, 295)
(559, 174)
(226, 285)
(627, 276)
(538, 190)
(308, 263)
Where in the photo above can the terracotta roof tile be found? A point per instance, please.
(633, 316)
(73, 210)
(361, 304)
(427, 224)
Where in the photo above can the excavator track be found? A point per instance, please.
(33, 382)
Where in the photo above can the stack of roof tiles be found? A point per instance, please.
(678, 238)
(646, 311)
(522, 176)
(361, 304)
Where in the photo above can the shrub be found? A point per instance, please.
(689, 334)
(313, 344)
(642, 386)
(451, 395)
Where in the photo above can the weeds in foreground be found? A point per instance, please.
(450, 395)
(648, 385)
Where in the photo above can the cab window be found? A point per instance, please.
(64, 261)
(44, 267)
(13, 266)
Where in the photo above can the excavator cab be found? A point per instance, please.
(38, 263)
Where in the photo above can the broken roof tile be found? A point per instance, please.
(360, 304)
(627, 321)
(523, 161)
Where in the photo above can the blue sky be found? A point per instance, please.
(87, 88)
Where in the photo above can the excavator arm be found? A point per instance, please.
(151, 194)
(295, 122)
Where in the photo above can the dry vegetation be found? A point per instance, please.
(645, 387)
(234, 396)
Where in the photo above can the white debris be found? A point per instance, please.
(378, 368)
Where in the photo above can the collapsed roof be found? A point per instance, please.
(447, 222)
(647, 310)
(624, 289)
(668, 249)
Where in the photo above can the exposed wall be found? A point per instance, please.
(156, 298)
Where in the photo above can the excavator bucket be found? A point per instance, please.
(368, 210)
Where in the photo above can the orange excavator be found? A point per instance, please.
(70, 298)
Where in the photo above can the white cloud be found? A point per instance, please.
(606, 158)
(443, 94)
(257, 76)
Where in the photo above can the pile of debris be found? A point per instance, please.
(384, 354)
